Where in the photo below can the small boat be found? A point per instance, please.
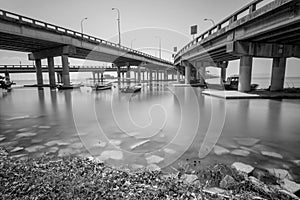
(102, 87)
(67, 87)
(233, 82)
(6, 83)
(131, 89)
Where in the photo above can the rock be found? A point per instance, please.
(246, 141)
(293, 196)
(214, 191)
(136, 166)
(113, 154)
(228, 144)
(240, 152)
(18, 117)
(34, 148)
(36, 140)
(95, 159)
(248, 149)
(272, 154)
(241, 167)
(154, 159)
(77, 145)
(290, 186)
(169, 151)
(53, 150)
(115, 142)
(227, 181)
(8, 145)
(134, 146)
(61, 143)
(280, 173)
(65, 152)
(25, 134)
(264, 176)
(2, 138)
(297, 162)
(153, 167)
(259, 186)
(44, 127)
(24, 130)
(17, 149)
(189, 178)
(51, 143)
(19, 156)
(220, 150)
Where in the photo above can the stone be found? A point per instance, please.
(115, 142)
(2, 138)
(214, 190)
(218, 150)
(241, 167)
(77, 145)
(228, 144)
(65, 152)
(189, 178)
(290, 186)
(44, 127)
(246, 141)
(272, 154)
(34, 148)
(280, 173)
(53, 150)
(19, 156)
(61, 143)
(134, 146)
(154, 159)
(18, 117)
(51, 143)
(153, 167)
(248, 149)
(24, 130)
(113, 154)
(36, 140)
(297, 162)
(169, 151)
(16, 149)
(240, 152)
(25, 134)
(136, 166)
(264, 176)
(259, 185)
(227, 181)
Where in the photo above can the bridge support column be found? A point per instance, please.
(66, 70)
(278, 73)
(178, 76)
(7, 77)
(102, 77)
(143, 73)
(166, 75)
(157, 75)
(223, 76)
(139, 74)
(187, 74)
(119, 73)
(39, 73)
(52, 82)
(98, 77)
(94, 77)
(150, 76)
(245, 73)
(172, 76)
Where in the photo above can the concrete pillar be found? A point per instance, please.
(245, 73)
(172, 76)
(157, 75)
(139, 74)
(187, 74)
(223, 76)
(94, 77)
(178, 76)
(202, 74)
(102, 76)
(278, 73)
(143, 73)
(51, 70)
(150, 76)
(39, 73)
(66, 70)
(166, 75)
(98, 77)
(119, 72)
(7, 77)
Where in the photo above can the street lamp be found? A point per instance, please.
(159, 45)
(118, 24)
(81, 23)
(132, 42)
(211, 20)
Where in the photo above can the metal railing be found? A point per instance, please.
(55, 66)
(51, 27)
(249, 8)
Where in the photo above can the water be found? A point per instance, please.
(161, 126)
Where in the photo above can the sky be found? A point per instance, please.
(143, 24)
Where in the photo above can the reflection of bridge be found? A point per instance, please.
(46, 41)
(269, 31)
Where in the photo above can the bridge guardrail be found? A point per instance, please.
(249, 8)
(51, 27)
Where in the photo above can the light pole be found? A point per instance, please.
(211, 20)
(132, 42)
(159, 45)
(81, 23)
(118, 24)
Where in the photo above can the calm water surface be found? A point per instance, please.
(160, 126)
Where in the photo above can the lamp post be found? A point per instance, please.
(118, 24)
(159, 45)
(132, 42)
(211, 20)
(81, 23)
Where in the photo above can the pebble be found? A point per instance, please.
(2, 138)
(51, 143)
(34, 148)
(44, 127)
(17, 149)
(220, 150)
(227, 181)
(242, 167)
(77, 145)
(136, 166)
(113, 154)
(18, 117)
(228, 144)
(115, 142)
(25, 134)
(240, 152)
(297, 162)
(246, 141)
(23, 129)
(272, 154)
(65, 152)
(53, 150)
(134, 146)
(290, 186)
(280, 173)
(169, 151)
(189, 178)
(154, 159)
(153, 167)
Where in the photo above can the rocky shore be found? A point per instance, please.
(88, 178)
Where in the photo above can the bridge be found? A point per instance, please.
(268, 31)
(46, 41)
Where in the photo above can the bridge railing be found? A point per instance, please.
(50, 27)
(55, 66)
(249, 8)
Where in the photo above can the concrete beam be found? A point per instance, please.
(265, 50)
(54, 52)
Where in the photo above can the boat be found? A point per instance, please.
(131, 89)
(102, 87)
(67, 87)
(6, 83)
(232, 83)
